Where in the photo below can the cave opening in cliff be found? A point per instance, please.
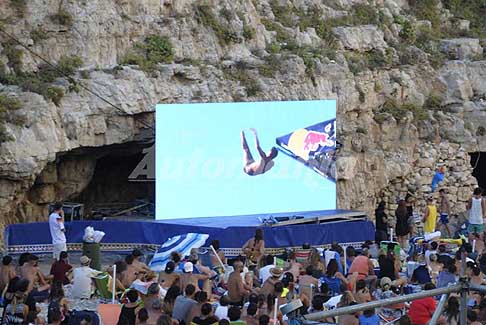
(98, 178)
(478, 162)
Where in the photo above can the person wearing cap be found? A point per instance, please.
(237, 289)
(168, 277)
(268, 286)
(82, 283)
(188, 277)
(56, 227)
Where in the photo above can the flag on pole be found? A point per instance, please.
(180, 243)
(314, 146)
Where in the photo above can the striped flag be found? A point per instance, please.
(181, 243)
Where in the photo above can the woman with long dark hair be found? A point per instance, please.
(402, 229)
(452, 311)
(169, 299)
(56, 298)
(334, 279)
(254, 248)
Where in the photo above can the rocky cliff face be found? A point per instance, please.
(410, 83)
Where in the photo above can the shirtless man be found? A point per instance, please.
(30, 271)
(168, 277)
(7, 272)
(188, 277)
(307, 283)
(131, 273)
(252, 167)
(237, 289)
(295, 267)
(137, 261)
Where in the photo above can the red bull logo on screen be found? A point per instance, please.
(315, 139)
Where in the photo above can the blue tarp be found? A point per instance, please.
(314, 146)
(147, 232)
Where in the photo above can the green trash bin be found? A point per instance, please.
(92, 250)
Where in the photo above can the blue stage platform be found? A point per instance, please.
(318, 228)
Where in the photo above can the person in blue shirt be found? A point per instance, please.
(369, 318)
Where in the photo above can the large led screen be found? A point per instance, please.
(229, 159)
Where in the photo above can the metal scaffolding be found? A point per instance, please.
(462, 287)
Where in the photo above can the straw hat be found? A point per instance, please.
(276, 272)
(85, 260)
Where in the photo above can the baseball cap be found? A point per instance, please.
(188, 267)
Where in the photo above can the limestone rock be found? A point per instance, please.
(461, 48)
(361, 38)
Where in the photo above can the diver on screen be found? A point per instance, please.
(261, 166)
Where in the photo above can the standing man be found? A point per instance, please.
(445, 210)
(477, 211)
(56, 226)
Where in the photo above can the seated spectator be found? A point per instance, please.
(352, 319)
(131, 273)
(183, 304)
(369, 318)
(262, 320)
(350, 255)
(237, 290)
(82, 283)
(364, 268)
(57, 302)
(17, 310)
(421, 310)
(37, 280)
(452, 311)
(234, 314)
(435, 267)
(335, 280)
(142, 316)
(443, 258)
(390, 266)
(137, 261)
(472, 317)
(61, 268)
(431, 249)
(170, 298)
(168, 277)
(307, 283)
(362, 294)
(268, 286)
(421, 274)
(385, 292)
(7, 272)
(189, 277)
(127, 314)
(206, 317)
(264, 272)
(222, 309)
(294, 267)
(251, 315)
(447, 276)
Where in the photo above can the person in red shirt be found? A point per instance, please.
(421, 310)
(61, 268)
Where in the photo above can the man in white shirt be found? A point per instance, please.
(82, 283)
(264, 272)
(56, 226)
